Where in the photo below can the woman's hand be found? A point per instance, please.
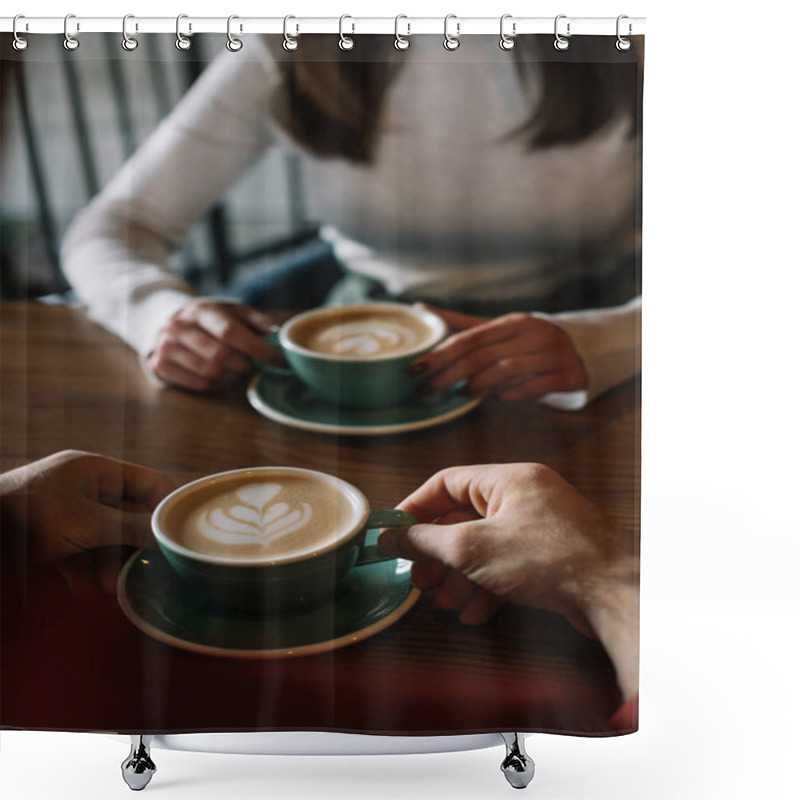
(209, 344)
(73, 501)
(514, 356)
(521, 533)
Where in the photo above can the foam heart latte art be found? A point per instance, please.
(363, 332)
(248, 515)
(283, 516)
(365, 339)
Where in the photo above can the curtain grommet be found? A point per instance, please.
(623, 44)
(401, 42)
(290, 42)
(561, 43)
(129, 43)
(183, 43)
(71, 43)
(451, 42)
(233, 44)
(19, 43)
(507, 41)
(346, 43)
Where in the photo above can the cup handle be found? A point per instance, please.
(273, 339)
(385, 518)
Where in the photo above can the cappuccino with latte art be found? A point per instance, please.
(268, 539)
(364, 333)
(255, 519)
(358, 356)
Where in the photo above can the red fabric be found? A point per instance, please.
(72, 661)
(626, 717)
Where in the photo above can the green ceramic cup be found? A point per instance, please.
(279, 584)
(351, 379)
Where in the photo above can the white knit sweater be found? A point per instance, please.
(448, 210)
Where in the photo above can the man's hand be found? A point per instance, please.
(74, 501)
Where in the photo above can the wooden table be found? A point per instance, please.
(65, 383)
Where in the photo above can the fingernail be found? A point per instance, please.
(418, 368)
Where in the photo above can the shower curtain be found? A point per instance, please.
(169, 215)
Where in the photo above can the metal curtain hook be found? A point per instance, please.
(401, 42)
(233, 44)
(182, 42)
(561, 42)
(70, 42)
(289, 42)
(451, 42)
(19, 43)
(128, 42)
(623, 43)
(346, 42)
(507, 42)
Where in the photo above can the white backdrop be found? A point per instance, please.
(721, 604)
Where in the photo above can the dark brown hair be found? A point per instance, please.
(331, 103)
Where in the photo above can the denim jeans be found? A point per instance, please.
(297, 280)
(309, 276)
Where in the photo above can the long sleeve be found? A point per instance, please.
(626, 717)
(116, 251)
(608, 343)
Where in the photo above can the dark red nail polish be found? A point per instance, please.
(419, 368)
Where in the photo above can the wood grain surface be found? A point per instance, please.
(65, 383)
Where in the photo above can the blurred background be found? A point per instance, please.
(69, 120)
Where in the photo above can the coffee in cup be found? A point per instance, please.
(364, 333)
(254, 519)
(357, 356)
(268, 539)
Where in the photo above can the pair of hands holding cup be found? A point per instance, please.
(209, 344)
(488, 534)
